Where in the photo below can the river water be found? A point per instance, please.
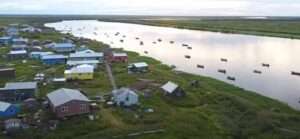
(200, 52)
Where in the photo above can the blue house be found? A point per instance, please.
(6, 40)
(64, 47)
(12, 31)
(54, 59)
(39, 55)
(8, 110)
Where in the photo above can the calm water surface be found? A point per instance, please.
(244, 54)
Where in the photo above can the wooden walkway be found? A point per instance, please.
(110, 75)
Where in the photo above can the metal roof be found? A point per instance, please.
(21, 85)
(81, 69)
(18, 52)
(54, 57)
(170, 87)
(140, 65)
(119, 54)
(63, 95)
(5, 38)
(80, 62)
(123, 91)
(4, 106)
(63, 45)
(83, 55)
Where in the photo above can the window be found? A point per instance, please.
(64, 109)
(82, 107)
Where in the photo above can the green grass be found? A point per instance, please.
(213, 110)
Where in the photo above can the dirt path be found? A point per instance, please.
(110, 75)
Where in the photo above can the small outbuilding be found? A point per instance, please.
(140, 67)
(68, 102)
(172, 89)
(8, 110)
(125, 97)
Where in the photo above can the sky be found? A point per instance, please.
(154, 7)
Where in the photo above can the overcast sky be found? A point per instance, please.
(154, 7)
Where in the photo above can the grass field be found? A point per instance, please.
(213, 110)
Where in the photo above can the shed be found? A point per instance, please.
(54, 59)
(8, 110)
(7, 73)
(138, 67)
(125, 97)
(172, 89)
(68, 102)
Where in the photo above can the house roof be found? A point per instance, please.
(18, 52)
(54, 57)
(119, 54)
(80, 62)
(140, 64)
(5, 38)
(170, 87)
(63, 45)
(82, 55)
(81, 69)
(64, 95)
(20, 39)
(41, 53)
(4, 106)
(21, 85)
(123, 91)
(6, 69)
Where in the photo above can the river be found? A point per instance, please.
(200, 52)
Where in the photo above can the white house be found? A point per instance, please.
(125, 97)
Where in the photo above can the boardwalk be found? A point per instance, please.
(110, 75)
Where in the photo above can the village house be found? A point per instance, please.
(118, 57)
(54, 59)
(138, 67)
(86, 55)
(39, 55)
(19, 41)
(7, 72)
(18, 91)
(81, 72)
(12, 31)
(172, 89)
(124, 97)
(68, 102)
(31, 29)
(64, 47)
(17, 54)
(5, 40)
(8, 110)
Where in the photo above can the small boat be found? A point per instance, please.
(222, 71)
(137, 38)
(201, 66)
(146, 52)
(190, 48)
(172, 42)
(295, 73)
(224, 60)
(265, 65)
(122, 41)
(159, 40)
(124, 36)
(141, 43)
(187, 56)
(117, 33)
(95, 33)
(257, 71)
(185, 45)
(231, 78)
(154, 42)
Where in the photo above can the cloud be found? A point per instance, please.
(153, 7)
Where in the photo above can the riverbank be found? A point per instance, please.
(214, 109)
(272, 28)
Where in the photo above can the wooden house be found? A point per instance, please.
(18, 91)
(125, 97)
(54, 59)
(68, 102)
